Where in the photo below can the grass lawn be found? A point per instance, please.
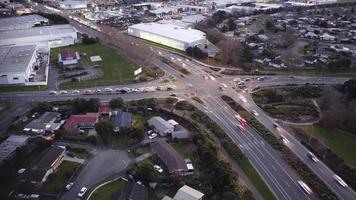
(104, 192)
(183, 149)
(117, 69)
(256, 180)
(56, 182)
(340, 142)
(78, 152)
(23, 88)
(306, 72)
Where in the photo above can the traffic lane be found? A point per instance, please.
(275, 165)
(103, 165)
(320, 169)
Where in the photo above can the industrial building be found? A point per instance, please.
(21, 22)
(169, 35)
(55, 36)
(72, 5)
(17, 64)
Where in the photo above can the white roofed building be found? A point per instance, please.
(55, 36)
(186, 193)
(72, 4)
(169, 35)
(21, 22)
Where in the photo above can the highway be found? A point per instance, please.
(279, 176)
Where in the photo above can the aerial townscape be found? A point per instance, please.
(178, 99)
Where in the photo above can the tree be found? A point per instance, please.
(144, 173)
(246, 55)
(349, 88)
(230, 51)
(270, 25)
(89, 40)
(117, 103)
(196, 52)
(231, 24)
(104, 129)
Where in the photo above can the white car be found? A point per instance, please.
(340, 181)
(284, 139)
(82, 191)
(97, 90)
(254, 112)
(243, 99)
(108, 90)
(158, 168)
(305, 187)
(152, 136)
(75, 92)
(312, 157)
(52, 92)
(205, 77)
(63, 92)
(69, 185)
(238, 117)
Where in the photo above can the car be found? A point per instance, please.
(243, 99)
(75, 92)
(236, 79)
(35, 115)
(241, 127)
(117, 89)
(260, 79)
(53, 92)
(312, 157)
(152, 136)
(305, 187)
(238, 117)
(224, 85)
(254, 112)
(159, 87)
(97, 90)
(149, 132)
(82, 191)
(291, 77)
(63, 92)
(158, 168)
(211, 77)
(173, 95)
(247, 79)
(69, 185)
(222, 88)
(108, 90)
(340, 181)
(88, 91)
(284, 139)
(205, 77)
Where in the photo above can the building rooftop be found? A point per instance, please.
(188, 193)
(132, 191)
(16, 58)
(8, 146)
(121, 119)
(43, 121)
(171, 158)
(171, 31)
(160, 124)
(21, 22)
(77, 120)
(50, 157)
(36, 31)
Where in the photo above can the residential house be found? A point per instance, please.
(133, 191)
(9, 146)
(186, 193)
(75, 123)
(160, 125)
(170, 157)
(44, 166)
(104, 110)
(310, 60)
(46, 122)
(121, 119)
(68, 58)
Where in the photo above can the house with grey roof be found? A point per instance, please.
(160, 125)
(46, 122)
(9, 146)
(121, 119)
(133, 191)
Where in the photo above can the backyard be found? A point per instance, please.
(116, 68)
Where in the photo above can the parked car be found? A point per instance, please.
(108, 90)
(75, 92)
(158, 168)
(69, 185)
(63, 92)
(82, 191)
(152, 136)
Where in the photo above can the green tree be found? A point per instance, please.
(104, 129)
(117, 103)
(231, 24)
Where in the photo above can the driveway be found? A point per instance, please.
(104, 164)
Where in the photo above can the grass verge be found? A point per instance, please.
(105, 191)
(338, 141)
(311, 72)
(23, 88)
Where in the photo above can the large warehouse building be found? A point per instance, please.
(169, 35)
(21, 22)
(17, 64)
(55, 36)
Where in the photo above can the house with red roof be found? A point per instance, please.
(68, 58)
(75, 123)
(105, 110)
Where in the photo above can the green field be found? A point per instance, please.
(183, 149)
(256, 180)
(104, 192)
(161, 46)
(56, 182)
(340, 142)
(117, 69)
